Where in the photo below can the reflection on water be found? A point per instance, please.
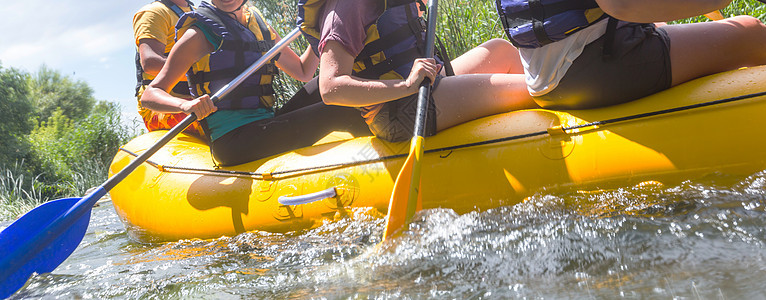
(702, 239)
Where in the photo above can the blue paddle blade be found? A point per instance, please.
(16, 261)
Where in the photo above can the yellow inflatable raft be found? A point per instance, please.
(712, 124)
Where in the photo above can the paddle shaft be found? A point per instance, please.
(404, 195)
(424, 93)
(32, 246)
(225, 90)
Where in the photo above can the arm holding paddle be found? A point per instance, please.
(43, 238)
(343, 88)
(385, 87)
(301, 67)
(191, 47)
(340, 85)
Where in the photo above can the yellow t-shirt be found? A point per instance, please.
(156, 21)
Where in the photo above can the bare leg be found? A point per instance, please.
(493, 56)
(701, 49)
(464, 98)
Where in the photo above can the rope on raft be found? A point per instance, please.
(270, 175)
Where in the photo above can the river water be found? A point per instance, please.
(696, 240)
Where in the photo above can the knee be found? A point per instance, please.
(750, 25)
(748, 21)
(752, 34)
(497, 45)
(503, 56)
(756, 31)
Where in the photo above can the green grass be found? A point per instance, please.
(18, 192)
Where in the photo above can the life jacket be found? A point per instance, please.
(536, 23)
(157, 120)
(241, 46)
(393, 43)
(143, 78)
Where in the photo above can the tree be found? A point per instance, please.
(73, 155)
(51, 91)
(15, 112)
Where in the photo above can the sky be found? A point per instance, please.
(88, 40)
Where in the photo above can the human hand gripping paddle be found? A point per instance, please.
(405, 197)
(43, 238)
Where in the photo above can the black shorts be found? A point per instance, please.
(301, 122)
(639, 66)
(395, 122)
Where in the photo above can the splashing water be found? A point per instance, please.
(702, 239)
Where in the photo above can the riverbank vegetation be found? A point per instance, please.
(57, 141)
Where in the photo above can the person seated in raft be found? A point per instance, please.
(217, 42)
(621, 55)
(154, 32)
(352, 73)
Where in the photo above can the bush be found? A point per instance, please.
(74, 155)
(52, 128)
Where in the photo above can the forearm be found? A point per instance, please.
(159, 100)
(338, 87)
(347, 90)
(301, 67)
(649, 11)
(153, 65)
(151, 56)
(310, 63)
(191, 47)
